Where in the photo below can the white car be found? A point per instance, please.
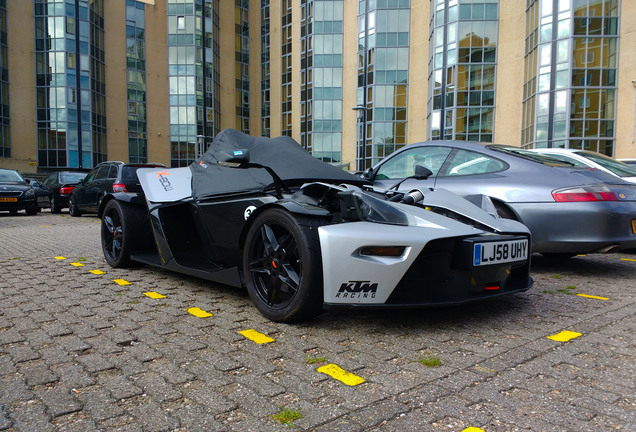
(586, 158)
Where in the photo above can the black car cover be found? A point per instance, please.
(286, 157)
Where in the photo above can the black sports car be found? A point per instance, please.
(301, 234)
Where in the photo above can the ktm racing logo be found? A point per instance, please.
(357, 289)
(164, 180)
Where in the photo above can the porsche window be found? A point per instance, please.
(466, 162)
(403, 164)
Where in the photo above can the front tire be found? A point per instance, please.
(282, 266)
(121, 232)
(72, 208)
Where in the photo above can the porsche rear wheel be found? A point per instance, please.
(282, 267)
(122, 227)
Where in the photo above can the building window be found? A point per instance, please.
(570, 75)
(383, 70)
(463, 55)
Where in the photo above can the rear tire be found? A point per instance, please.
(122, 232)
(72, 208)
(55, 207)
(282, 266)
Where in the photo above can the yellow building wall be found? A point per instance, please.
(418, 72)
(157, 89)
(116, 82)
(509, 78)
(349, 82)
(21, 57)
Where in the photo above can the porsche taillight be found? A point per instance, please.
(584, 193)
(66, 190)
(119, 187)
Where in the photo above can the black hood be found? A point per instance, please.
(286, 157)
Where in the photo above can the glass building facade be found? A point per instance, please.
(70, 83)
(321, 60)
(462, 69)
(193, 77)
(383, 71)
(5, 141)
(242, 59)
(136, 81)
(570, 74)
(265, 72)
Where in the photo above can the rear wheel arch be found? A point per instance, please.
(504, 210)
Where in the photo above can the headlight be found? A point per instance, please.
(29, 193)
(360, 206)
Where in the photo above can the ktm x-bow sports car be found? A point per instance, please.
(301, 234)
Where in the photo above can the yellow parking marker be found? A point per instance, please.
(200, 313)
(473, 429)
(46, 226)
(255, 336)
(121, 281)
(336, 372)
(564, 336)
(59, 258)
(97, 272)
(629, 259)
(154, 295)
(76, 264)
(592, 297)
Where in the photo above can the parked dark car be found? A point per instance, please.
(568, 209)
(105, 178)
(60, 184)
(41, 192)
(16, 194)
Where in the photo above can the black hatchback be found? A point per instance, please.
(107, 177)
(60, 184)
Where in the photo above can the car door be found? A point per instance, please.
(102, 182)
(86, 192)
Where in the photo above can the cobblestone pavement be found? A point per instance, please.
(80, 352)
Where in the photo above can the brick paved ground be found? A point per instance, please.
(79, 352)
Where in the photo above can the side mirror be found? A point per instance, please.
(422, 173)
(368, 174)
(236, 159)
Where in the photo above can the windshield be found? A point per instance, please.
(10, 176)
(529, 155)
(72, 177)
(617, 167)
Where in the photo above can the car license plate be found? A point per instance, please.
(634, 226)
(500, 252)
(8, 199)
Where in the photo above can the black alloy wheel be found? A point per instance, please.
(282, 266)
(122, 226)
